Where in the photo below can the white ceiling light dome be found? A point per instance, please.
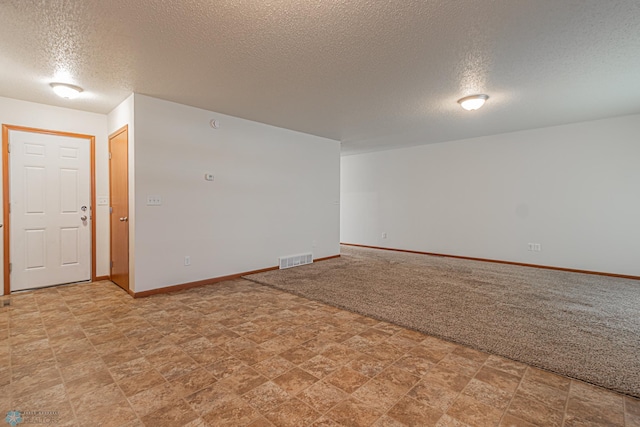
(65, 90)
(473, 102)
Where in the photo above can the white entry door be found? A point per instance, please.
(50, 212)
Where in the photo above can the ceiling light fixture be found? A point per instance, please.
(65, 90)
(473, 102)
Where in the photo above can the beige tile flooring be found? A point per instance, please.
(240, 354)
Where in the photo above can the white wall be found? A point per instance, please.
(29, 114)
(275, 193)
(575, 189)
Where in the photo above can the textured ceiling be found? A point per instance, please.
(371, 73)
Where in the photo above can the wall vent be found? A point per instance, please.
(295, 260)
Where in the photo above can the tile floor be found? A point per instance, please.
(240, 354)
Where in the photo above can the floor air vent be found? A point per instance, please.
(295, 260)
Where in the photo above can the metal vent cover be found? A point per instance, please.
(295, 260)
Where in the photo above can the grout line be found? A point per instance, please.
(58, 367)
(55, 357)
(109, 370)
(405, 394)
(624, 411)
(566, 404)
(9, 323)
(513, 396)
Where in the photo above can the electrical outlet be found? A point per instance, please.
(534, 247)
(384, 235)
(187, 261)
(154, 200)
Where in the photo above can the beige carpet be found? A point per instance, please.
(583, 326)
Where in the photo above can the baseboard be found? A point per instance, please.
(204, 282)
(211, 281)
(99, 278)
(326, 258)
(547, 267)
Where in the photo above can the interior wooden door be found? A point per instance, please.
(119, 202)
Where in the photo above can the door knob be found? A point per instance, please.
(124, 219)
(83, 218)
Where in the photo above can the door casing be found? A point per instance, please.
(6, 196)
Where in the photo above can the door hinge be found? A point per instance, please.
(8, 147)
(112, 265)
(10, 267)
(110, 209)
(9, 207)
(109, 156)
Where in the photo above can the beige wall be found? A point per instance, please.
(574, 189)
(275, 193)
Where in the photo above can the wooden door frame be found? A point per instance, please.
(124, 128)
(6, 197)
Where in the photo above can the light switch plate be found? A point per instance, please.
(103, 200)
